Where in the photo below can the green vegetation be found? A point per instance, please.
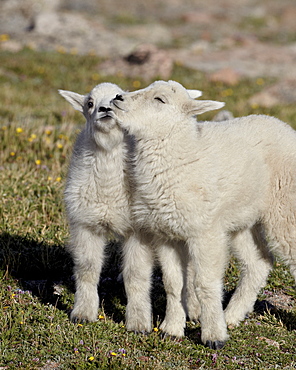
(37, 130)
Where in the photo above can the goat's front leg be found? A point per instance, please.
(87, 250)
(209, 257)
(173, 261)
(138, 259)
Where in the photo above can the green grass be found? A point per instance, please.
(37, 130)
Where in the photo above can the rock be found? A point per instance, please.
(156, 34)
(145, 62)
(226, 75)
(283, 92)
(252, 60)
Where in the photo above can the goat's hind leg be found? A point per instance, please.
(87, 250)
(250, 247)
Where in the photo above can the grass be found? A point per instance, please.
(37, 130)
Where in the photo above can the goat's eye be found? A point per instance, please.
(159, 99)
(118, 97)
(90, 104)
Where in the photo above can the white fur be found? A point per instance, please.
(211, 184)
(97, 198)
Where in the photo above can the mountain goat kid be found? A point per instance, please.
(207, 183)
(97, 198)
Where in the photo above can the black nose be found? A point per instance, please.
(118, 97)
(104, 109)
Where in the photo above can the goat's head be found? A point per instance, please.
(96, 108)
(160, 104)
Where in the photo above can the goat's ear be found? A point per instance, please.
(76, 100)
(202, 106)
(194, 93)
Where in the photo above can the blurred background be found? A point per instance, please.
(228, 40)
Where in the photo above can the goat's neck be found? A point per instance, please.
(174, 150)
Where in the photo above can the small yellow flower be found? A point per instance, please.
(38, 162)
(33, 136)
(12, 295)
(59, 145)
(4, 37)
(91, 358)
(48, 132)
(101, 317)
(49, 178)
(19, 158)
(58, 179)
(19, 130)
(95, 77)
(79, 325)
(227, 92)
(21, 322)
(61, 50)
(136, 84)
(156, 330)
(12, 154)
(113, 354)
(259, 81)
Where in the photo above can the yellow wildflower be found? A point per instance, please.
(101, 317)
(58, 179)
(38, 162)
(227, 92)
(259, 81)
(91, 358)
(12, 154)
(4, 37)
(59, 145)
(136, 84)
(61, 50)
(19, 130)
(156, 330)
(95, 77)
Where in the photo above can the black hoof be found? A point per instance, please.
(168, 336)
(78, 320)
(216, 344)
(142, 332)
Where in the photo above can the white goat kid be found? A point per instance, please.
(208, 183)
(97, 198)
(96, 193)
